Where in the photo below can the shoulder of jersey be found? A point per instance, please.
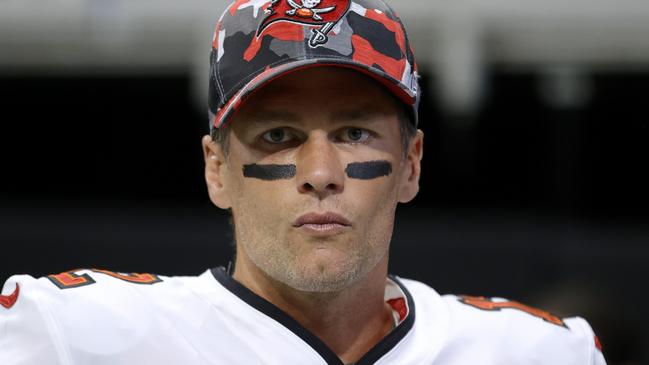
(525, 333)
(97, 313)
(95, 293)
(100, 286)
(511, 332)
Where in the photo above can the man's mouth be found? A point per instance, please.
(322, 223)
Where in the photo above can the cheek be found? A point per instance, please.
(263, 204)
(261, 197)
(373, 198)
(376, 208)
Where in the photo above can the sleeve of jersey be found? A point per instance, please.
(593, 346)
(29, 332)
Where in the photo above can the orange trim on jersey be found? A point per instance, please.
(598, 344)
(489, 305)
(70, 279)
(8, 301)
(132, 278)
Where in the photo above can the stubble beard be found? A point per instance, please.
(277, 260)
(287, 258)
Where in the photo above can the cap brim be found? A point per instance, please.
(225, 114)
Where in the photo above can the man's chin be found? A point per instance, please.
(322, 278)
(321, 285)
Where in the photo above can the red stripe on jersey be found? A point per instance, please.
(598, 344)
(8, 301)
(399, 305)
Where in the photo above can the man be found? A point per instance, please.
(313, 145)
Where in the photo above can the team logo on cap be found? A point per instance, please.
(322, 13)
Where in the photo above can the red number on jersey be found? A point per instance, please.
(132, 278)
(489, 305)
(71, 279)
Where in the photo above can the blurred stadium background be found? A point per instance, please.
(535, 181)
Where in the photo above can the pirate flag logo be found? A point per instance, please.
(322, 13)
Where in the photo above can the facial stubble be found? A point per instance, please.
(312, 265)
(305, 263)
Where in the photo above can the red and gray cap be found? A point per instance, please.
(256, 41)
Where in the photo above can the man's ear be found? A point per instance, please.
(215, 172)
(412, 171)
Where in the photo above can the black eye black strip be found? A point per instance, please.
(270, 172)
(358, 170)
(368, 170)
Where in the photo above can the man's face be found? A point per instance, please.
(313, 175)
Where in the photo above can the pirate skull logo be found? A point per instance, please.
(310, 4)
(308, 12)
(308, 9)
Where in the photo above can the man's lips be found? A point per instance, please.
(322, 219)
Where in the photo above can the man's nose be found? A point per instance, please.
(319, 169)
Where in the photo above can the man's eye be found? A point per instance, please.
(355, 135)
(277, 135)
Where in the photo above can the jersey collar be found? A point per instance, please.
(272, 311)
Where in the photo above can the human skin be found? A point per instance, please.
(329, 276)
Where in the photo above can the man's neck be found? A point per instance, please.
(350, 322)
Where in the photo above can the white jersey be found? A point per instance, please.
(96, 317)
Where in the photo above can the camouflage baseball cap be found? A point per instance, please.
(257, 41)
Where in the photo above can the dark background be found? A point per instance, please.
(530, 201)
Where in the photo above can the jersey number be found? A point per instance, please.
(489, 305)
(71, 279)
